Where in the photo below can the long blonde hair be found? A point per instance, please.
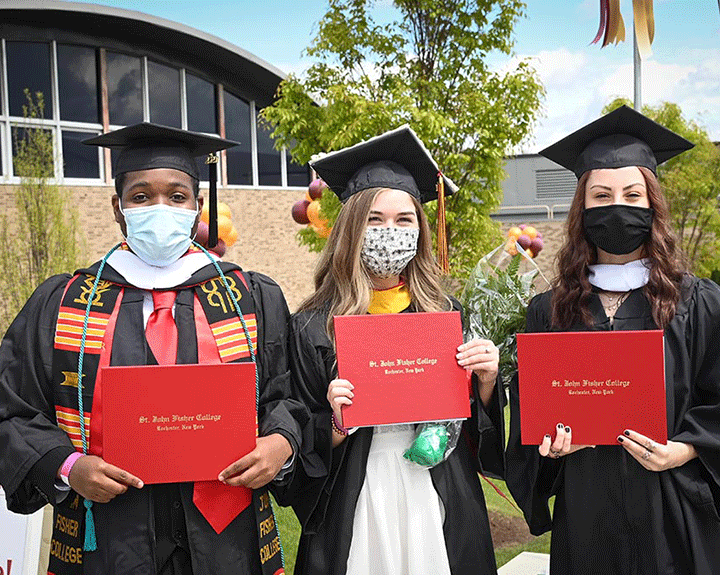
(342, 282)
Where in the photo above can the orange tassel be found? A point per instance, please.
(442, 243)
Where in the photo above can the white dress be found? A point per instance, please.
(398, 525)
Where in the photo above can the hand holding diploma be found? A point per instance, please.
(261, 465)
(96, 480)
(562, 445)
(481, 356)
(655, 456)
(339, 393)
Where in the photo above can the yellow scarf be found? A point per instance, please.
(391, 300)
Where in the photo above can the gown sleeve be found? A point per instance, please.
(531, 479)
(700, 424)
(32, 445)
(279, 411)
(312, 365)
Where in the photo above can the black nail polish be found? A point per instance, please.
(626, 432)
(567, 430)
(560, 425)
(547, 435)
(620, 439)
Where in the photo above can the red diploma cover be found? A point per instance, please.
(403, 367)
(175, 423)
(597, 383)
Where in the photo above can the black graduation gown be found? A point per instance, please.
(326, 504)
(32, 446)
(611, 515)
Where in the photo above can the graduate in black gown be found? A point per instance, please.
(132, 528)
(373, 512)
(647, 505)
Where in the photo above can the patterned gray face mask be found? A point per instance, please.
(387, 251)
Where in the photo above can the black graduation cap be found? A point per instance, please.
(621, 138)
(149, 146)
(396, 159)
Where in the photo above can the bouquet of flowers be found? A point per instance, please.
(496, 295)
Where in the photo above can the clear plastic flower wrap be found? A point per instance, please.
(495, 301)
(434, 442)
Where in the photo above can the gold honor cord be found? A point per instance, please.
(612, 25)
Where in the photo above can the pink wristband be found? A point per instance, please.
(337, 426)
(68, 465)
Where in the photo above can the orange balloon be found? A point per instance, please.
(313, 214)
(530, 232)
(510, 246)
(205, 214)
(324, 231)
(514, 232)
(308, 197)
(224, 210)
(232, 237)
(225, 225)
(529, 252)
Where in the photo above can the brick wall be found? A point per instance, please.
(266, 241)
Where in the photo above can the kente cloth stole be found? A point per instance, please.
(221, 338)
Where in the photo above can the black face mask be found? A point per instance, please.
(618, 229)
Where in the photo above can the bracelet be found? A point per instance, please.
(337, 426)
(67, 467)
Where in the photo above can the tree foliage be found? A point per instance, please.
(429, 69)
(691, 182)
(42, 238)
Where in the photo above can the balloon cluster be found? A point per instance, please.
(227, 234)
(527, 237)
(307, 210)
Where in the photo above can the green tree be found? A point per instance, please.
(691, 182)
(429, 69)
(42, 238)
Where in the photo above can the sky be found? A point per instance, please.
(555, 35)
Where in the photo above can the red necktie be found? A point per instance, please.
(161, 331)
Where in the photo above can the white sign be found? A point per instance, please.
(20, 537)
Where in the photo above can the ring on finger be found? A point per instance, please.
(487, 349)
(646, 455)
(554, 453)
(651, 445)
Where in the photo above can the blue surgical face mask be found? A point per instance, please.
(159, 234)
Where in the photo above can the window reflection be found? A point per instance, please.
(237, 128)
(77, 83)
(297, 174)
(25, 141)
(124, 82)
(164, 87)
(80, 161)
(28, 66)
(268, 156)
(201, 98)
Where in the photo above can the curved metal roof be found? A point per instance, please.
(136, 32)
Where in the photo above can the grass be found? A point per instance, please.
(290, 528)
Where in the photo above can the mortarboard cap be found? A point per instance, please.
(148, 146)
(621, 138)
(395, 159)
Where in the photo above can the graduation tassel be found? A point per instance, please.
(90, 539)
(212, 162)
(443, 260)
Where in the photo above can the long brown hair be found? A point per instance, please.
(342, 282)
(572, 291)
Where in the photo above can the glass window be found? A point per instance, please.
(33, 154)
(80, 161)
(77, 82)
(164, 86)
(28, 66)
(268, 156)
(297, 174)
(124, 82)
(201, 97)
(237, 128)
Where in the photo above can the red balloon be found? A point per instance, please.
(524, 241)
(219, 249)
(299, 212)
(201, 236)
(536, 245)
(315, 189)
